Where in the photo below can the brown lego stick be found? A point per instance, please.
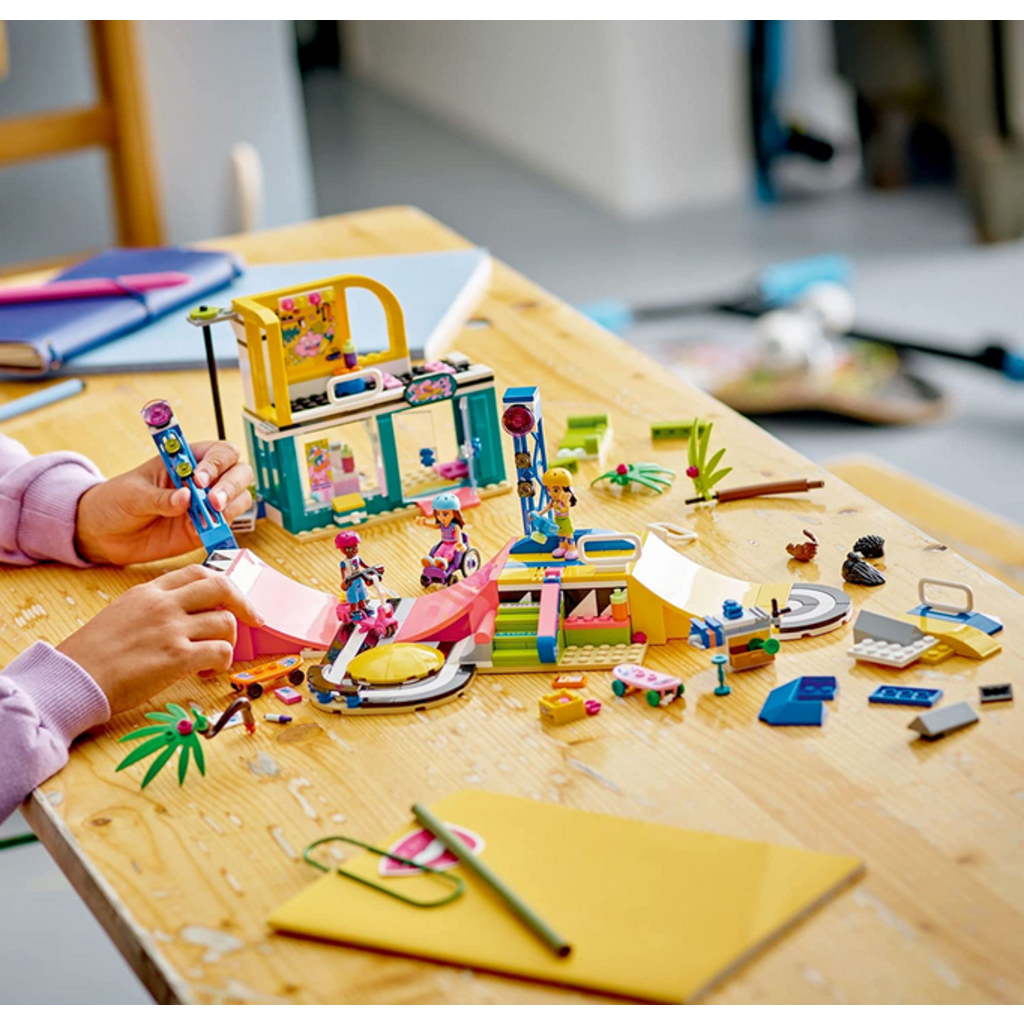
(761, 490)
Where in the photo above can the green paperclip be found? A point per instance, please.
(458, 884)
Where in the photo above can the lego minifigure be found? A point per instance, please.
(448, 519)
(558, 482)
(355, 574)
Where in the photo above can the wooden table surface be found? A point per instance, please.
(183, 879)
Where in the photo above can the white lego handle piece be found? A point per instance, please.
(922, 595)
(672, 534)
(610, 560)
(370, 372)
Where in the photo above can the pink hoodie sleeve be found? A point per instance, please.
(38, 503)
(46, 700)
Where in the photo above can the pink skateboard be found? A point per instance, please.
(660, 689)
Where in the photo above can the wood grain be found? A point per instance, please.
(184, 878)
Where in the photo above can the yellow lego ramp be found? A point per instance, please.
(967, 641)
(667, 590)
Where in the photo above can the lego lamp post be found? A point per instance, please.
(521, 418)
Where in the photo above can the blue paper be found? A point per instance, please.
(429, 287)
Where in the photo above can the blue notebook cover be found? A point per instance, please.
(36, 338)
(437, 291)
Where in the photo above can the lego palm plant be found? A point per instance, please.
(704, 472)
(177, 733)
(649, 474)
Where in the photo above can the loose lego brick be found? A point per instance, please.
(912, 696)
(287, 695)
(561, 707)
(676, 430)
(783, 708)
(890, 654)
(569, 680)
(941, 721)
(938, 654)
(815, 688)
(995, 693)
(872, 626)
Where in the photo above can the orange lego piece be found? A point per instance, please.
(569, 680)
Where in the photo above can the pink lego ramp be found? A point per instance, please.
(297, 616)
(468, 607)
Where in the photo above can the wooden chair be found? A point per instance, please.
(118, 122)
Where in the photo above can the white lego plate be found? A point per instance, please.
(892, 655)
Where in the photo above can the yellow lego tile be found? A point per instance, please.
(347, 502)
(936, 655)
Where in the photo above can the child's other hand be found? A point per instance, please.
(159, 631)
(140, 517)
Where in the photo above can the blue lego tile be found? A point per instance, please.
(985, 623)
(521, 394)
(913, 696)
(782, 707)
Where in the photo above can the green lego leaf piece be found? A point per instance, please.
(703, 446)
(707, 476)
(197, 753)
(140, 753)
(161, 716)
(178, 711)
(154, 768)
(149, 730)
(186, 749)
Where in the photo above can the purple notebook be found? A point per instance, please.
(37, 337)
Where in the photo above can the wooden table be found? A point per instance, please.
(183, 879)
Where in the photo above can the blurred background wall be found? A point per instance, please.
(610, 110)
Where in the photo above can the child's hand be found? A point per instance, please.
(157, 632)
(140, 517)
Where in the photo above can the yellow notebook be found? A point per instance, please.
(652, 912)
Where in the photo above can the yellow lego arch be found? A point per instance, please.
(261, 322)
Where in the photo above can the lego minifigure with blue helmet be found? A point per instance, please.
(447, 518)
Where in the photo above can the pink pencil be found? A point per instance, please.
(91, 287)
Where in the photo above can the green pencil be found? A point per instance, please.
(466, 856)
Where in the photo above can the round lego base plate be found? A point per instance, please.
(815, 609)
